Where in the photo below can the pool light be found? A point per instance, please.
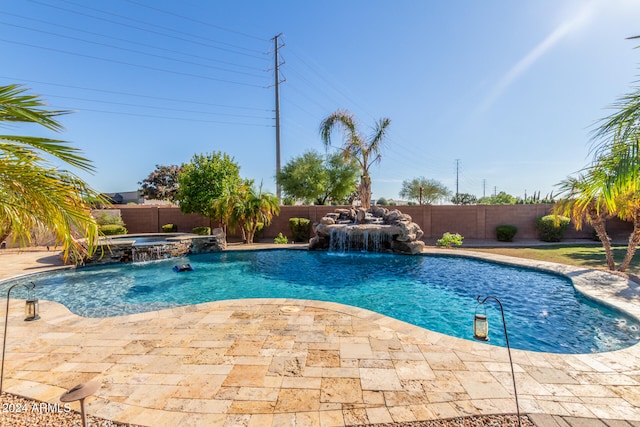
(31, 313)
(481, 332)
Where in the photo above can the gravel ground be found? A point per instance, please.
(20, 412)
(478, 421)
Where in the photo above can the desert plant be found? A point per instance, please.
(505, 233)
(201, 231)
(280, 239)
(551, 228)
(169, 228)
(300, 229)
(450, 239)
(112, 229)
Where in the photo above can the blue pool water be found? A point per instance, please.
(543, 310)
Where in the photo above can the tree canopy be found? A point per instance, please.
(500, 198)
(431, 190)
(464, 199)
(161, 184)
(206, 178)
(318, 179)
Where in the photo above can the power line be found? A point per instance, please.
(54, 24)
(153, 107)
(131, 64)
(132, 50)
(159, 117)
(137, 95)
(197, 21)
(147, 30)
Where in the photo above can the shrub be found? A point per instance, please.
(280, 239)
(202, 231)
(551, 228)
(300, 229)
(108, 217)
(169, 228)
(448, 240)
(505, 233)
(112, 229)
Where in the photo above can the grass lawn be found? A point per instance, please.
(580, 255)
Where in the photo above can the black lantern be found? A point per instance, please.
(31, 306)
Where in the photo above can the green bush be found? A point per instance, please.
(448, 240)
(505, 233)
(112, 229)
(169, 228)
(280, 239)
(202, 231)
(107, 218)
(551, 228)
(300, 229)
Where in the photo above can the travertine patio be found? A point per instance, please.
(295, 362)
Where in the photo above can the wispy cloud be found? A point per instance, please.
(572, 24)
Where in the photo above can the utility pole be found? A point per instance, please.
(484, 188)
(457, 175)
(277, 84)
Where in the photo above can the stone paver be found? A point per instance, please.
(299, 362)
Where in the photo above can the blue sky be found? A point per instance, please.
(511, 89)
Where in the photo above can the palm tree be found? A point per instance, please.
(617, 145)
(623, 189)
(583, 201)
(32, 192)
(223, 207)
(356, 146)
(254, 210)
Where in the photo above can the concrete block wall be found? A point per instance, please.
(473, 222)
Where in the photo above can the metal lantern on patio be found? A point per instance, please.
(480, 325)
(31, 309)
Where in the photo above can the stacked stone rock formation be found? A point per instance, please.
(377, 229)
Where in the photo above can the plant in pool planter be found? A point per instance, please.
(449, 240)
(280, 239)
(112, 229)
(551, 228)
(169, 228)
(506, 233)
(201, 231)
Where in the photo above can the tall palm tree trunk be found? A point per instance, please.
(634, 241)
(598, 225)
(365, 191)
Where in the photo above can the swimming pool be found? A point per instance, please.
(543, 310)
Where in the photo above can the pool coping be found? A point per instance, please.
(403, 372)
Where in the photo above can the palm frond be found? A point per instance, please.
(16, 106)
